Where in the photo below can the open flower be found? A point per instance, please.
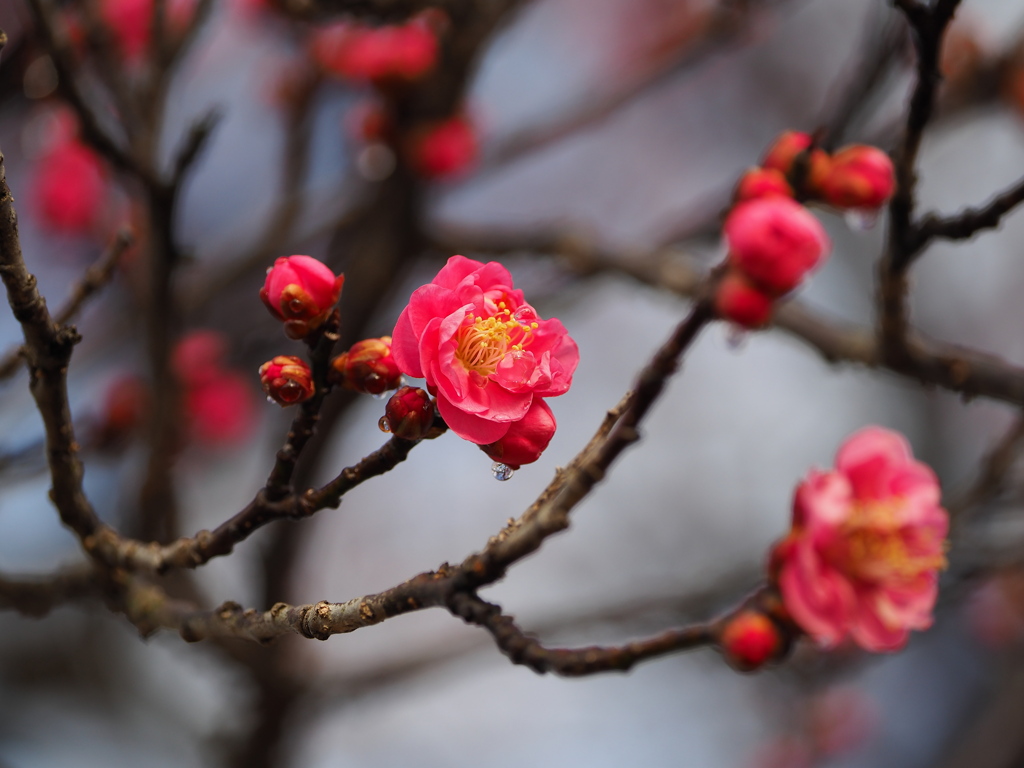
(482, 349)
(867, 542)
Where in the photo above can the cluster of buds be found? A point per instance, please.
(386, 56)
(367, 367)
(301, 292)
(855, 177)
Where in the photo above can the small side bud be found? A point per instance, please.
(860, 177)
(762, 182)
(367, 367)
(750, 639)
(740, 301)
(526, 439)
(301, 292)
(409, 414)
(287, 380)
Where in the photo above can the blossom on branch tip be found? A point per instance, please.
(482, 349)
(774, 241)
(409, 414)
(866, 545)
(301, 291)
(287, 380)
(526, 439)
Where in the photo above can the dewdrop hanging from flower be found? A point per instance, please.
(485, 353)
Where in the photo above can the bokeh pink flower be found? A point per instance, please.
(866, 546)
(483, 350)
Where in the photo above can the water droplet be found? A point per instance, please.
(384, 424)
(271, 400)
(501, 471)
(380, 395)
(524, 315)
(861, 219)
(736, 337)
(295, 305)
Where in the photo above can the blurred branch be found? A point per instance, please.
(728, 22)
(38, 595)
(95, 278)
(970, 221)
(928, 24)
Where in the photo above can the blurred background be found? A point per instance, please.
(616, 127)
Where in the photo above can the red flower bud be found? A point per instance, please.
(739, 301)
(444, 149)
(287, 380)
(762, 182)
(526, 439)
(859, 177)
(367, 367)
(783, 154)
(784, 150)
(409, 414)
(774, 241)
(749, 640)
(301, 291)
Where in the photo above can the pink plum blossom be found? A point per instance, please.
(867, 543)
(301, 292)
(482, 349)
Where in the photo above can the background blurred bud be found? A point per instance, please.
(197, 357)
(739, 301)
(762, 182)
(409, 414)
(860, 177)
(841, 720)
(444, 149)
(122, 412)
(221, 410)
(287, 380)
(69, 191)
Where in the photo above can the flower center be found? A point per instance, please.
(880, 548)
(483, 342)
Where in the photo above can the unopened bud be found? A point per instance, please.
(526, 439)
(762, 182)
(859, 177)
(444, 149)
(367, 367)
(774, 241)
(749, 640)
(785, 153)
(287, 380)
(409, 414)
(301, 291)
(740, 301)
